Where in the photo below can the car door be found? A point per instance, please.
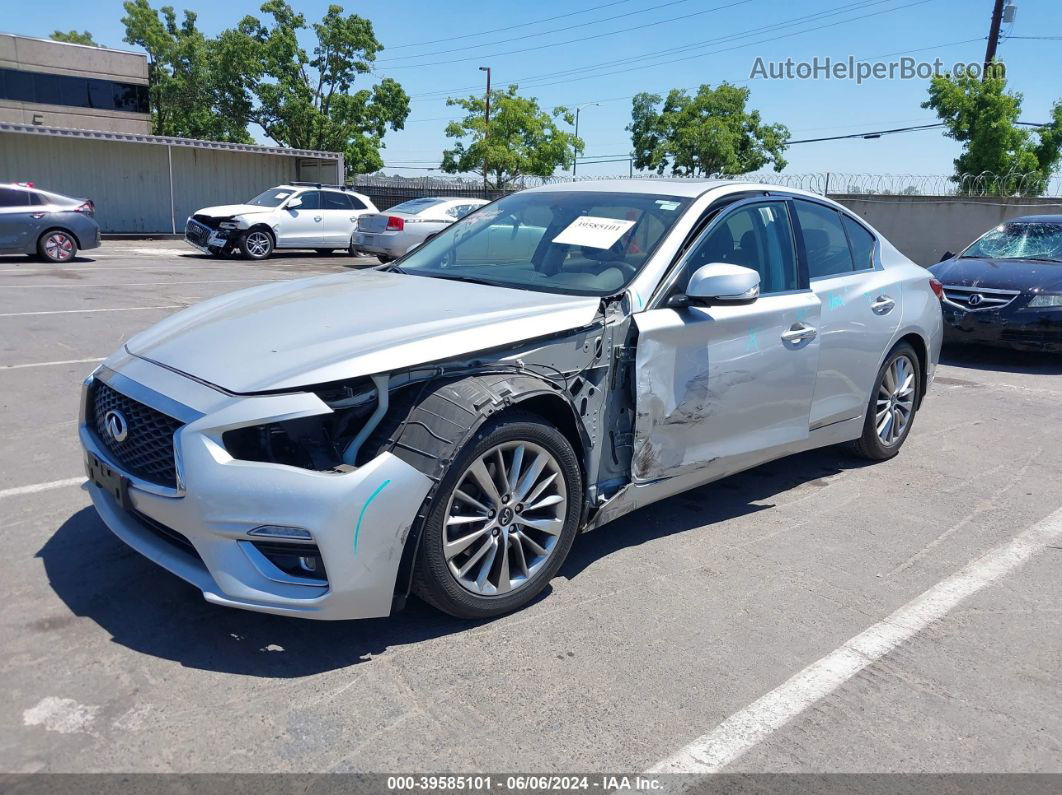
(860, 309)
(337, 219)
(300, 227)
(17, 226)
(721, 388)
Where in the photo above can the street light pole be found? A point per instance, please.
(486, 128)
(578, 108)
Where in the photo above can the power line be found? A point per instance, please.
(533, 35)
(511, 27)
(814, 17)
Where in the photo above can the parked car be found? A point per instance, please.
(1005, 289)
(391, 234)
(296, 215)
(44, 224)
(449, 422)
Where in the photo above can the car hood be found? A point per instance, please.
(1024, 275)
(310, 331)
(229, 210)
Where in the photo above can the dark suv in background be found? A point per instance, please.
(44, 224)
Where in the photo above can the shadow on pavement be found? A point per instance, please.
(974, 357)
(36, 262)
(148, 610)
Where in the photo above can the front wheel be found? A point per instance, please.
(893, 405)
(256, 244)
(57, 246)
(505, 517)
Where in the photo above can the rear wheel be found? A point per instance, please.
(505, 516)
(384, 259)
(892, 407)
(256, 244)
(56, 245)
(324, 251)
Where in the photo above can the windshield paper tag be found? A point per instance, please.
(586, 230)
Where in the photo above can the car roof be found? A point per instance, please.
(692, 188)
(1039, 219)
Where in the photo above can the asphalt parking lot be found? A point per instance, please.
(660, 627)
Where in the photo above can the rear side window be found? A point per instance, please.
(334, 201)
(11, 197)
(824, 240)
(861, 242)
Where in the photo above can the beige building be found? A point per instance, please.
(55, 84)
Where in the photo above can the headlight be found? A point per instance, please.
(229, 225)
(1046, 300)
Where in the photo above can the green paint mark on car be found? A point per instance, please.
(364, 508)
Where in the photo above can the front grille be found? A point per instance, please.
(206, 220)
(147, 450)
(1032, 336)
(196, 233)
(976, 299)
(167, 534)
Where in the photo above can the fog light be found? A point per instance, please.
(281, 531)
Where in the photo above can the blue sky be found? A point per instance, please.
(429, 49)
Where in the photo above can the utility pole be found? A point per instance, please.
(578, 108)
(486, 129)
(993, 37)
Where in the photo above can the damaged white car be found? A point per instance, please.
(446, 425)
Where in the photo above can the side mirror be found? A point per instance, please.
(721, 284)
(946, 255)
(293, 203)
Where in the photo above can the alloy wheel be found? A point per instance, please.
(504, 518)
(59, 247)
(257, 243)
(895, 401)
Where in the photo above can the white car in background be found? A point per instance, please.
(296, 215)
(391, 234)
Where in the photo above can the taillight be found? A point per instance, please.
(88, 208)
(937, 288)
(395, 224)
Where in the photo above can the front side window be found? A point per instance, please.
(1020, 240)
(824, 240)
(13, 197)
(575, 242)
(757, 236)
(311, 200)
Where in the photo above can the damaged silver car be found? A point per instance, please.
(447, 424)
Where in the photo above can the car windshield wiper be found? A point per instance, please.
(469, 279)
(1038, 259)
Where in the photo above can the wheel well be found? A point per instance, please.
(922, 352)
(58, 229)
(265, 228)
(560, 415)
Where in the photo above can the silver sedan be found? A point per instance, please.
(447, 424)
(391, 234)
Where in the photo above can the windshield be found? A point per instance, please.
(576, 242)
(1020, 240)
(414, 206)
(271, 198)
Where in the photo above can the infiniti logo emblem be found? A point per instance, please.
(975, 299)
(116, 425)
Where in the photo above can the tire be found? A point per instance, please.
(256, 244)
(484, 591)
(219, 253)
(883, 438)
(383, 259)
(57, 245)
(324, 252)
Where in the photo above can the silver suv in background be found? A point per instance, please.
(296, 215)
(48, 225)
(391, 234)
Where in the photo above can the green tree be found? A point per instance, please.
(194, 91)
(710, 133)
(307, 100)
(981, 114)
(74, 37)
(521, 138)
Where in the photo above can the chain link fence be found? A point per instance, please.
(387, 191)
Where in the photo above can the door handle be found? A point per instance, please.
(354, 218)
(317, 218)
(882, 305)
(798, 333)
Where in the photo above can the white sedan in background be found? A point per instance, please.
(391, 234)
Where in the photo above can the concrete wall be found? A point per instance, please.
(129, 182)
(55, 57)
(924, 227)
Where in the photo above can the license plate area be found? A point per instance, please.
(108, 479)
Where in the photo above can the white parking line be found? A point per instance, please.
(48, 364)
(745, 729)
(55, 484)
(138, 284)
(80, 311)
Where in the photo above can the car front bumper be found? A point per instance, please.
(1018, 328)
(359, 520)
(202, 237)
